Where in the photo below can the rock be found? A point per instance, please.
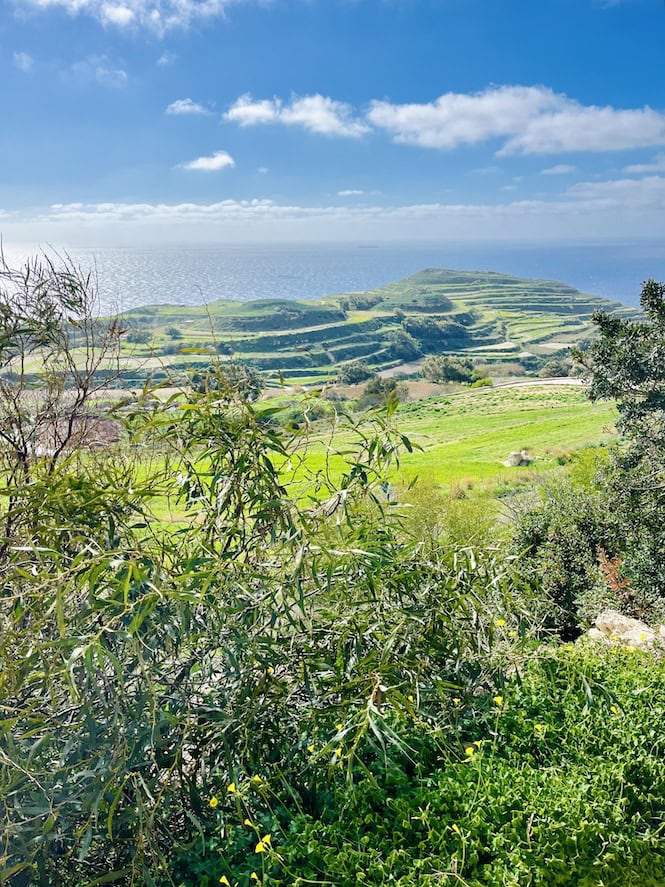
(635, 638)
(614, 628)
(610, 622)
(517, 460)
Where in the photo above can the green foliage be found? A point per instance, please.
(560, 540)
(173, 332)
(145, 668)
(402, 346)
(380, 391)
(438, 368)
(565, 786)
(235, 378)
(138, 335)
(354, 373)
(434, 335)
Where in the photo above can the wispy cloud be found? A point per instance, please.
(657, 165)
(614, 208)
(166, 59)
(157, 16)
(213, 163)
(97, 69)
(561, 169)
(357, 192)
(23, 61)
(186, 107)
(314, 113)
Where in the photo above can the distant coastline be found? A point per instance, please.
(194, 275)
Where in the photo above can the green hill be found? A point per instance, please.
(479, 314)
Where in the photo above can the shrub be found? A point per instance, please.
(560, 540)
(380, 390)
(139, 335)
(437, 368)
(355, 372)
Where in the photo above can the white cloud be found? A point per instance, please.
(23, 61)
(315, 113)
(213, 163)
(576, 127)
(561, 169)
(117, 14)
(186, 106)
(657, 165)
(263, 170)
(158, 16)
(457, 118)
(531, 120)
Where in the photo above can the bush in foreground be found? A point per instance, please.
(558, 781)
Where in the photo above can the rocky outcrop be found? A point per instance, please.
(613, 628)
(517, 460)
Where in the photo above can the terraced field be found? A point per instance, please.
(488, 316)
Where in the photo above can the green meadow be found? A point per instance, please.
(465, 438)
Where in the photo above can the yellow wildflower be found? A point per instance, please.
(469, 751)
(225, 880)
(338, 727)
(512, 634)
(498, 700)
(478, 742)
(231, 788)
(456, 829)
(254, 876)
(249, 823)
(539, 728)
(261, 847)
(456, 700)
(310, 748)
(500, 623)
(213, 802)
(256, 780)
(410, 698)
(614, 709)
(271, 670)
(338, 752)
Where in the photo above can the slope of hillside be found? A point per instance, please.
(480, 314)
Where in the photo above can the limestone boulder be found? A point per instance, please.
(614, 628)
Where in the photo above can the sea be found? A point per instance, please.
(129, 277)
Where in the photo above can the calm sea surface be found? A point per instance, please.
(131, 277)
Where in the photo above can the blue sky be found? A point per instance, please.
(143, 121)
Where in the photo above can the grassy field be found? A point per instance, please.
(465, 438)
(462, 440)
